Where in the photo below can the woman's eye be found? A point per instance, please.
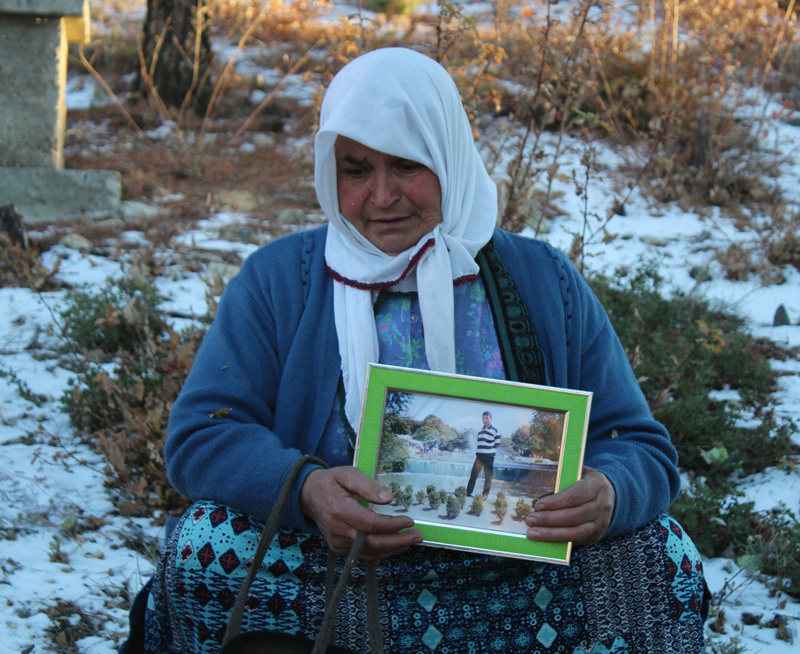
(355, 173)
(409, 166)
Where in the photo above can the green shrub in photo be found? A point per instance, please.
(501, 506)
(461, 493)
(406, 498)
(453, 506)
(476, 508)
(397, 493)
(420, 496)
(435, 499)
(522, 509)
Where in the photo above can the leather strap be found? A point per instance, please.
(332, 594)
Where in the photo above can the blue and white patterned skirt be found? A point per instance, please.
(638, 593)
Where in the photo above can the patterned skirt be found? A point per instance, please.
(638, 593)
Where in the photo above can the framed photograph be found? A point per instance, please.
(467, 457)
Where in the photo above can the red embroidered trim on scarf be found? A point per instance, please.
(377, 286)
(466, 279)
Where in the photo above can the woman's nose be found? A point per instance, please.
(386, 190)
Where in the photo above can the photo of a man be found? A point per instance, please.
(488, 441)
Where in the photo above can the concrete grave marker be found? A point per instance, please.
(33, 71)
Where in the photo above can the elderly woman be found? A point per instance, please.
(410, 271)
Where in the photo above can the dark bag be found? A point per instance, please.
(273, 642)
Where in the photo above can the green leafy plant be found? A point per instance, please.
(454, 506)
(773, 549)
(406, 497)
(121, 407)
(717, 519)
(435, 499)
(500, 506)
(683, 350)
(122, 315)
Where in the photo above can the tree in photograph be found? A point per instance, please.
(547, 428)
(176, 54)
(394, 453)
(521, 440)
(397, 402)
(420, 496)
(476, 508)
(433, 431)
(462, 440)
(394, 450)
(541, 436)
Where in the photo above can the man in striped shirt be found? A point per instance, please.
(488, 442)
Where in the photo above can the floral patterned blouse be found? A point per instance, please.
(401, 341)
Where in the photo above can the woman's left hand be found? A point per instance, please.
(580, 514)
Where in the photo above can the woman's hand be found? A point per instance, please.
(580, 513)
(330, 498)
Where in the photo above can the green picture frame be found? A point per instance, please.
(418, 436)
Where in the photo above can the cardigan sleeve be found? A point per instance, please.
(582, 352)
(242, 418)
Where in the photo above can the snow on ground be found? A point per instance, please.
(49, 483)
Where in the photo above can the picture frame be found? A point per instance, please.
(429, 468)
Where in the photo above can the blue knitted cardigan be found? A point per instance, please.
(271, 359)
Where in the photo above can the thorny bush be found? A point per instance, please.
(683, 351)
(122, 408)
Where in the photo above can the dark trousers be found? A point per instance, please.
(485, 461)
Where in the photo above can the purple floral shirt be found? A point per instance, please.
(401, 341)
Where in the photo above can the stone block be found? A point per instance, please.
(33, 72)
(49, 195)
(42, 7)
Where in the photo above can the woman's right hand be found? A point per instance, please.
(331, 499)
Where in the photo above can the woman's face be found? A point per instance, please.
(393, 202)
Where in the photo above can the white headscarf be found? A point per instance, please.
(404, 104)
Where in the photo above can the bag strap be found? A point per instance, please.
(332, 595)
